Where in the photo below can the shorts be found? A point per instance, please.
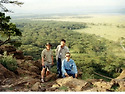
(47, 65)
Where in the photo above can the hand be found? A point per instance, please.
(76, 75)
(66, 75)
(42, 64)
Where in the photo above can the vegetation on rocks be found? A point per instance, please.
(9, 62)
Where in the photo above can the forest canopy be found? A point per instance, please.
(92, 54)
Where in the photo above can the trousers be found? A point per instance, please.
(59, 65)
(70, 73)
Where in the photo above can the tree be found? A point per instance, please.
(8, 2)
(6, 28)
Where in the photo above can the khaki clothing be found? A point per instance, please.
(47, 55)
(61, 52)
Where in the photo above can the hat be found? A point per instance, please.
(48, 44)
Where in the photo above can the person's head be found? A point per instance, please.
(48, 46)
(63, 42)
(67, 55)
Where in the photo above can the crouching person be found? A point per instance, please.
(69, 67)
(47, 61)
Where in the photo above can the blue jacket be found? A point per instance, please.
(68, 65)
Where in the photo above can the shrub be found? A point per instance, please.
(9, 62)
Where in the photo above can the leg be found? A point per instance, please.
(71, 73)
(43, 73)
(48, 67)
(59, 71)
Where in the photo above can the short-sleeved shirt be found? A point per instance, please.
(47, 55)
(61, 52)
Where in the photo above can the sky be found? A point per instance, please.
(66, 6)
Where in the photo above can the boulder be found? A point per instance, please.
(55, 86)
(76, 84)
(103, 85)
(24, 64)
(5, 73)
(21, 83)
(34, 69)
(51, 76)
(7, 48)
(35, 87)
(19, 55)
(37, 64)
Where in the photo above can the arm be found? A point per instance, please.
(42, 55)
(52, 57)
(56, 50)
(42, 61)
(63, 69)
(52, 60)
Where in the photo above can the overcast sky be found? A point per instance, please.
(65, 6)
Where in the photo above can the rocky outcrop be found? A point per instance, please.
(11, 50)
(27, 78)
(7, 48)
(76, 84)
(122, 75)
(102, 86)
(120, 84)
(51, 77)
(5, 73)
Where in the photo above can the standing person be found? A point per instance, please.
(61, 50)
(47, 61)
(69, 67)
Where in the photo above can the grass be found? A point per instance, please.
(109, 32)
(63, 88)
(91, 18)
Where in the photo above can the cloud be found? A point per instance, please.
(65, 5)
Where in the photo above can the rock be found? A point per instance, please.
(51, 76)
(37, 64)
(34, 69)
(28, 57)
(122, 75)
(80, 73)
(25, 64)
(55, 86)
(22, 72)
(35, 87)
(43, 89)
(5, 73)
(103, 85)
(120, 83)
(51, 89)
(7, 48)
(21, 83)
(19, 55)
(71, 82)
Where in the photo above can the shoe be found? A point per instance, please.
(42, 80)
